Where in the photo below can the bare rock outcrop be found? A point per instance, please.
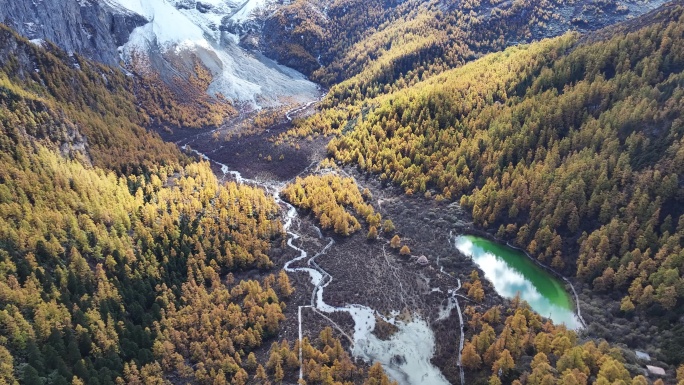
(91, 28)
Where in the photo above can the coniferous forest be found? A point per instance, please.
(570, 148)
(126, 260)
(118, 252)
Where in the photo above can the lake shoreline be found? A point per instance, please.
(558, 280)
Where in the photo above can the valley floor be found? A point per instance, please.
(367, 273)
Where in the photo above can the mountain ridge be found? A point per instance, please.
(125, 261)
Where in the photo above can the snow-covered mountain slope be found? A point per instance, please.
(179, 32)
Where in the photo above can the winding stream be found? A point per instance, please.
(406, 355)
(512, 272)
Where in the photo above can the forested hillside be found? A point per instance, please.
(117, 252)
(368, 47)
(328, 197)
(572, 149)
(124, 261)
(501, 339)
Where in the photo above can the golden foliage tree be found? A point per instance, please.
(395, 242)
(470, 358)
(329, 197)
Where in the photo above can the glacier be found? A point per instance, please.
(178, 31)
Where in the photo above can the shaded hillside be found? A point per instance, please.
(90, 28)
(338, 40)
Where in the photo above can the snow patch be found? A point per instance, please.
(406, 355)
(249, 9)
(167, 26)
(38, 42)
(180, 26)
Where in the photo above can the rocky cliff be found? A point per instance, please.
(91, 28)
(172, 39)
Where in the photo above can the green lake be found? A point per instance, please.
(512, 272)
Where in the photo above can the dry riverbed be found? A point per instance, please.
(406, 298)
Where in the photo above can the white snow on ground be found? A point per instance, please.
(167, 27)
(38, 42)
(249, 8)
(242, 76)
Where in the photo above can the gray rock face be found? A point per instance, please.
(88, 27)
(174, 36)
(65, 136)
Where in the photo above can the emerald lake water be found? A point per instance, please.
(512, 272)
